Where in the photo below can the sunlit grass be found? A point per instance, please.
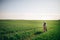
(26, 29)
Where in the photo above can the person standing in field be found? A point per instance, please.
(44, 27)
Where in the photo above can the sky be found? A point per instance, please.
(30, 9)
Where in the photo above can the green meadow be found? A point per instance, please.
(29, 30)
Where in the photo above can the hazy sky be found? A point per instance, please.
(30, 9)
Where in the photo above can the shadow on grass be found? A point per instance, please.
(36, 33)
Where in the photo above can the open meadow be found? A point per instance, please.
(29, 30)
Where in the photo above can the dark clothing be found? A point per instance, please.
(44, 27)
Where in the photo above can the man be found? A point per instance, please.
(44, 27)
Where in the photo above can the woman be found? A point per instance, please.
(44, 27)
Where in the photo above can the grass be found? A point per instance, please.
(28, 30)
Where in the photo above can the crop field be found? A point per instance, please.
(29, 30)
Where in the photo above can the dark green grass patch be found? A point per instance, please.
(29, 30)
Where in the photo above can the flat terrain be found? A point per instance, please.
(29, 30)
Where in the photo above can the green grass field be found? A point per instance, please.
(26, 29)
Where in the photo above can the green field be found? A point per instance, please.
(27, 30)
